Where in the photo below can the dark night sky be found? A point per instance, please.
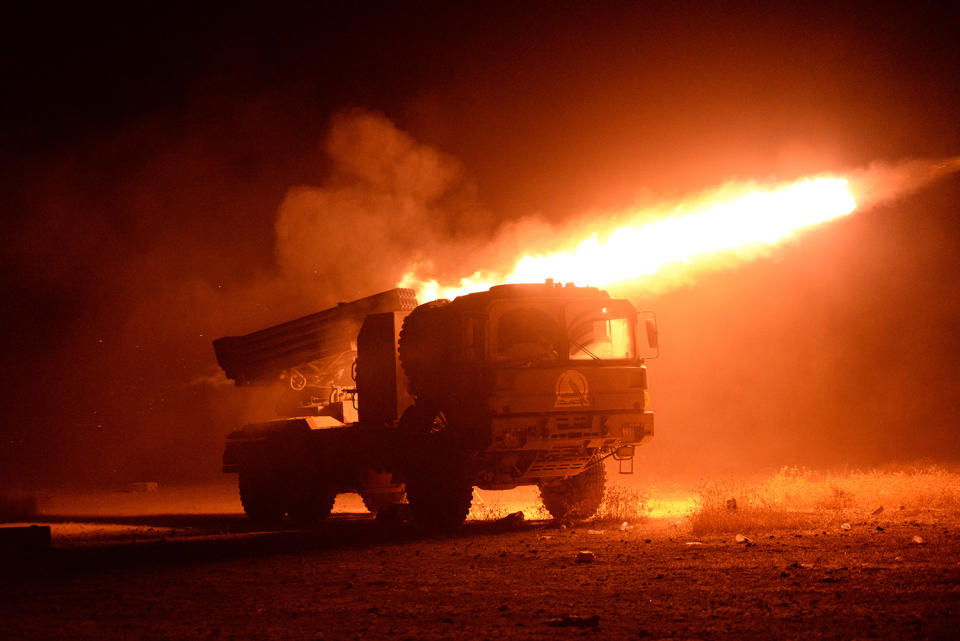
(146, 152)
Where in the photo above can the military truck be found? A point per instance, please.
(406, 404)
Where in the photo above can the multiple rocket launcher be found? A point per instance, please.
(307, 347)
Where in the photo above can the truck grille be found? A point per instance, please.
(576, 422)
(577, 426)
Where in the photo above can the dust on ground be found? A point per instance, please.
(690, 565)
(355, 579)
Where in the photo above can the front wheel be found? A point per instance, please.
(440, 494)
(577, 497)
(439, 483)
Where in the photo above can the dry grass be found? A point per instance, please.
(732, 507)
(483, 509)
(619, 504)
(623, 504)
(802, 498)
(494, 505)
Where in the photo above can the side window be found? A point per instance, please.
(474, 339)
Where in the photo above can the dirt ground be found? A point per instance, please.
(210, 575)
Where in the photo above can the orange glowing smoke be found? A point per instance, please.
(733, 224)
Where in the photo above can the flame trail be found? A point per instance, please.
(730, 225)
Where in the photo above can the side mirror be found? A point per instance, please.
(648, 340)
(653, 334)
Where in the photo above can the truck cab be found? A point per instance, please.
(544, 378)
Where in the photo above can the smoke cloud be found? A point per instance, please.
(387, 201)
(132, 279)
(883, 182)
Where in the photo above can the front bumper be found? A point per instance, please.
(562, 430)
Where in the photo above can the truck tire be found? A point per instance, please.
(310, 502)
(421, 350)
(577, 497)
(439, 485)
(440, 494)
(260, 495)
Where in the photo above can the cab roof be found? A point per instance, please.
(534, 291)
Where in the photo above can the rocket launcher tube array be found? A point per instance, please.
(260, 357)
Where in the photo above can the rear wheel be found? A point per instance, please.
(577, 497)
(308, 495)
(310, 502)
(260, 495)
(267, 494)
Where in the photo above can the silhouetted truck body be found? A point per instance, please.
(518, 385)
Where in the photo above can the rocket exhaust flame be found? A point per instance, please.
(722, 228)
(697, 232)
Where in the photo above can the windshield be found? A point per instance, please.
(580, 331)
(528, 333)
(600, 332)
